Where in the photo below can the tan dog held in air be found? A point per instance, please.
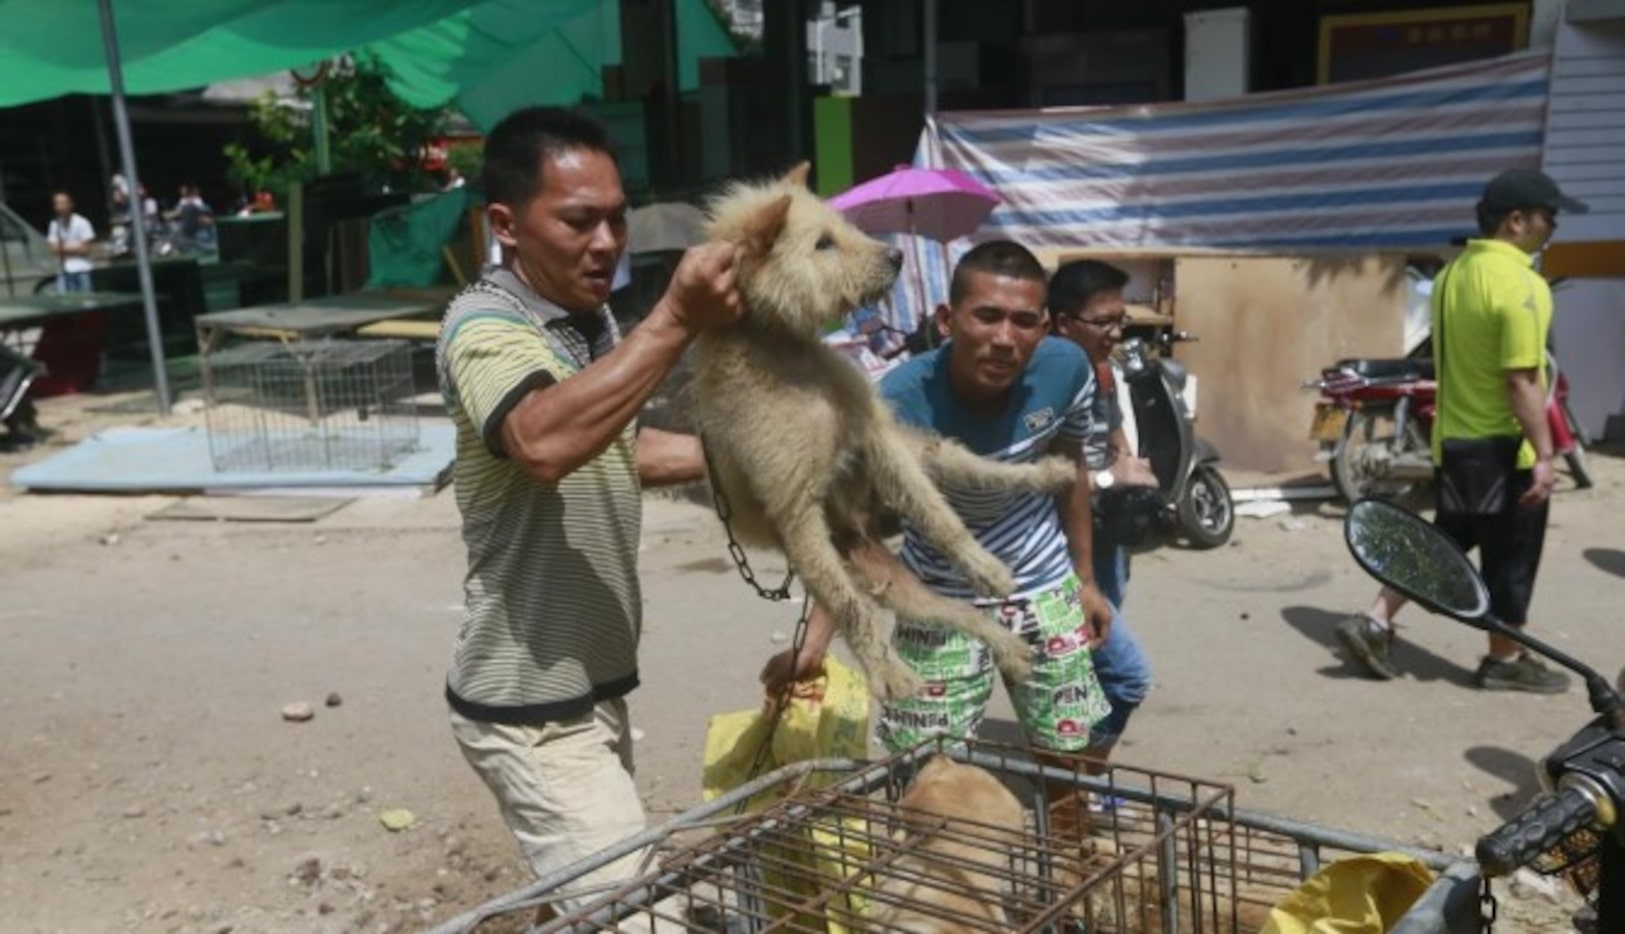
(807, 453)
(960, 826)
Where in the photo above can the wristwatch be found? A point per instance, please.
(1102, 479)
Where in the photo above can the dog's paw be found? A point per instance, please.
(891, 680)
(1014, 656)
(988, 575)
(1054, 474)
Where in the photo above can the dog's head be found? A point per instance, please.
(802, 265)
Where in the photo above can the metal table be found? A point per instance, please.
(314, 317)
(20, 311)
(72, 327)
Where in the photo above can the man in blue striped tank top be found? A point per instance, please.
(1004, 388)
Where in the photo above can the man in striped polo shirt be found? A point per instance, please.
(1006, 390)
(550, 464)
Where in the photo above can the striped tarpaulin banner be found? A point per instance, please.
(1395, 162)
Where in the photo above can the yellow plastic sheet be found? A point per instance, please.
(1357, 895)
(826, 717)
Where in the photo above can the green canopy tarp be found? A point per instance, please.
(53, 47)
(501, 55)
(487, 58)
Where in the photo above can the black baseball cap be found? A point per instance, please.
(1517, 189)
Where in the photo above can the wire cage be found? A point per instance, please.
(314, 405)
(1124, 852)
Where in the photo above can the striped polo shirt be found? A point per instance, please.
(1054, 399)
(552, 608)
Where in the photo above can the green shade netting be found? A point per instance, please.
(486, 58)
(403, 243)
(505, 54)
(53, 47)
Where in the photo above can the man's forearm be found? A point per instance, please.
(558, 428)
(666, 458)
(1528, 399)
(1078, 522)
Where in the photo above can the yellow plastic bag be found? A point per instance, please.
(1356, 895)
(826, 717)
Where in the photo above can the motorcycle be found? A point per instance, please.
(1374, 422)
(17, 374)
(1574, 829)
(1193, 498)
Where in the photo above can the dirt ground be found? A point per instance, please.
(149, 783)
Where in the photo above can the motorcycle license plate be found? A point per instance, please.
(1329, 422)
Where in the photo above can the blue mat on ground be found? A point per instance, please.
(162, 460)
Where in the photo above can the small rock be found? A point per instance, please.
(454, 846)
(134, 811)
(637, 735)
(293, 809)
(41, 778)
(426, 904)
(334, 700)
(320, 539)
(324, 909)
(333, 812)
(779, 638)
(1527, 883)
(111, 538)
(1472, 811)
(397, 819)
(1293, 525)
(364, 796)
(298, 712)
(308, 871)
(1246, 616)
(216, 838)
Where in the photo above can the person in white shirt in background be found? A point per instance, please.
(70, 236)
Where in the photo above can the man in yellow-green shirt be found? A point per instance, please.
(1492, 445)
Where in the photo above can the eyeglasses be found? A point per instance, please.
(1114, 323)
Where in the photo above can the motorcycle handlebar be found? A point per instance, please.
(1541, 826)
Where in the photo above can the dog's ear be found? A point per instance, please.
(797, 176)
(764, 227)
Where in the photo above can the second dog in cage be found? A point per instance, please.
(958, 827)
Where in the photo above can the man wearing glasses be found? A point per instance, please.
(1086, 306)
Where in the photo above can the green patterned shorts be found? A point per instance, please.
(1057, 705)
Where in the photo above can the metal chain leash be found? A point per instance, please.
(776, 594)
(1488, 907)
(737, 551)
(782, 700)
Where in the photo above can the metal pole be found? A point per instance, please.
(138, 223)
(318, 125)
(929, 40)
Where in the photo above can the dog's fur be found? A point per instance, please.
(960, 826)
(807, 454)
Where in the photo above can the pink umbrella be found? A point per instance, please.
(941, 204)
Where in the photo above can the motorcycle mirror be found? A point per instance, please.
(1416, 559)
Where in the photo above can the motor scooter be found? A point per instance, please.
(1374, 422)
(17, 374)
(1194, 499)
(1575, 829)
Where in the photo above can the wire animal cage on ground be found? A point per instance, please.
(1165, 854)
(310, 406)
